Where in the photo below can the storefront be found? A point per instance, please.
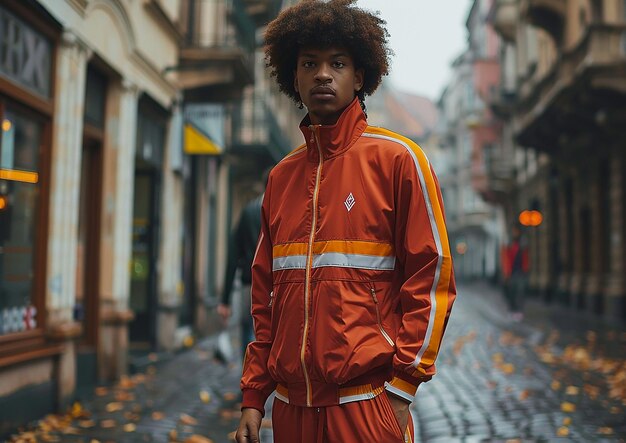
(151, 130)
(28, 39)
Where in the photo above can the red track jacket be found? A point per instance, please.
(352, 281)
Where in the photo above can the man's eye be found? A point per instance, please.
(307, 64)
(339, 64)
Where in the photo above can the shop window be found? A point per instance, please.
(19, 218)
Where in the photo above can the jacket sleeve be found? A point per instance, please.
(428, 291)
(256, 383)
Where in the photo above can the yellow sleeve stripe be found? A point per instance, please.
(439, 292)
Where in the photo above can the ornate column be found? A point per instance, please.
(120, 177)
(576, 286)
(565, 240)
(172, 212)
(615, 286)
(72, 58)
(594, 277)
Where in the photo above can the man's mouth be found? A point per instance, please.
(323, 92)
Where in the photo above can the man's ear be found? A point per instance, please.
(295, 82)
(359, 77)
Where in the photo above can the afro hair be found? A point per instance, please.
(323, 24)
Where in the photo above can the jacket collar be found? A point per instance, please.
(337, 138)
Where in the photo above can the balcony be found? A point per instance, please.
(505, 18)
(548, 15)
(262, 11)
(217, 58)
(583, 93)
(257, 135)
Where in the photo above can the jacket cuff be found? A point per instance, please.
(254, 399)
(403, 386)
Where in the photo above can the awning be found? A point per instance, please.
(199, 143)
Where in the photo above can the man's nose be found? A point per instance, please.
(323, 73)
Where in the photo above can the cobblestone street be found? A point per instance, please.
(553, 377)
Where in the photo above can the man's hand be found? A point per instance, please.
(224, 311)
(401, 409)
(249, 426)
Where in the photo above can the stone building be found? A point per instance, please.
(118, 155)
(468, 134)
(562, 101)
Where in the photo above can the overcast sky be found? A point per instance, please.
(426, 36)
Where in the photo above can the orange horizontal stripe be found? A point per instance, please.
(289, 249)
(404, 386)
(19, 176)
(341, 246)
(353, 247)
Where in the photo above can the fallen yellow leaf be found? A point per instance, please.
(173, 435)
(605, 431)
(107, 424)
(130, 427)
(555, 385)
(524, 394)
(205, 396)
(572, 390)
(562, 431)
(195, 438)
(568, 407)
(188, 420)
(497, 358)
(114, 406)
(567, 421)
(101, 391)
(508, 368)
(229, 396)
(156, 416)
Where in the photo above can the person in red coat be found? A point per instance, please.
(515, 271)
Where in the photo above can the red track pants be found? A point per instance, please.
(365, 421)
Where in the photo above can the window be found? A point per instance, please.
(19, 217)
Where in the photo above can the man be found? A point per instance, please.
(515, 269)
(240, 253)
(352, 280)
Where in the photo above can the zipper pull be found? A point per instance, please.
(373, 291)
(271, 299)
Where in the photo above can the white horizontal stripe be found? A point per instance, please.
(336, 259)
(282, 398)
(289, 262)
(341, 260)
(399, 392)
(357, 397)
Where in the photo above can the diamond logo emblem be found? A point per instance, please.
(349, 202)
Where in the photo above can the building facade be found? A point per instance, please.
(467, 134)
(562, 102)
(119, 149)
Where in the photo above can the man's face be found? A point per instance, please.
(327, 82)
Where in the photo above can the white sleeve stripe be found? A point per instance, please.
(435, 230)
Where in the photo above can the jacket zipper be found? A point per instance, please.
(380, 323)
(309, 263)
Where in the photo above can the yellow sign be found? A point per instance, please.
(196, 142)
(19, 176)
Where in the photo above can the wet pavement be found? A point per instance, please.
(555, 376)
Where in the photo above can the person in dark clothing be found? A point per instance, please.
(515, 270)
(241, 248)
